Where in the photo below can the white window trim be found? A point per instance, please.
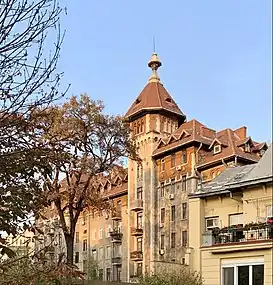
(217, 149)
(235, 264)
(214, 218)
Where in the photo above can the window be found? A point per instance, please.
(108, 252)
(236, 219)
(162, 242)
(212, 223)
(243, 274)
(184, 183)
(94, 254)
(84, 219)
(77, 237)
(119, 206)
(173, 213)
(101, 233)
(184, 157)
(139, 244)
(217, 149)
(84, 245)
(269, 211)
(101, 253)
(77, 257)
(173, 186)
(139, 269)
(84, 264)
(162, 215)
(108, 274)
(139, 193)
(247, 147)
(95, 235)
(162, 165)
(184, 238)
(139, 220)
(100, 274)
(85, 232)
(172, 240)
(184, 211)
(173, 160)
(162, 189)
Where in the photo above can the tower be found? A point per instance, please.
(152, 116)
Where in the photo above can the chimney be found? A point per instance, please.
(241, 132)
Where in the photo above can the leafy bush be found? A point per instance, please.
(182, 277)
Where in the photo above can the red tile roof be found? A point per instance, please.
(194, 131)
(154, 97)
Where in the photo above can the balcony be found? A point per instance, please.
(116, 260)
(136, 255)
(249, 233)
(116, 215)
(137, 205)
(116, 235)
(136, 231)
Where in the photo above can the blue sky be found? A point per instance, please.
(216, 56)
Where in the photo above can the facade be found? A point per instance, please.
(151, 227)
(231, 226)
(22, 244)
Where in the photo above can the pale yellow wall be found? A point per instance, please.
(211, 264)
(252, 203)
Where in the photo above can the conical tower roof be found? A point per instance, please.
(154, 97)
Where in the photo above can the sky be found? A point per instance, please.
(216, 56)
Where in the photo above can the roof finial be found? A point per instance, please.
(154, 64)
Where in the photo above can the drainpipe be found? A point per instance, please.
(236, 160)
(223, 161)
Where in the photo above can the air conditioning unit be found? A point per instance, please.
(161, 225)
(178, 167)
(171, 196)
(162, 251)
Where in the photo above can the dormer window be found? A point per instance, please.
(262, 151)
(217, 149)
(247, 147)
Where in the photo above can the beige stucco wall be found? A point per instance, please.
(211, 264)
(252, 203)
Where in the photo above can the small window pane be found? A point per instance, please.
(258, 275)
(228, 276)
(243, 275)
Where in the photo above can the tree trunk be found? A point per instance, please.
(69, 240)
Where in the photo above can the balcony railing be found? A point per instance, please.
(116, 215)
(137, 205)
(116, 235)
(137, 231)
(116, 260)
(136, 255)
(238, 234)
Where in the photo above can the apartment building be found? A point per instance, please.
(150, 227)
(231, 226)
(21, 244)
(176, 155)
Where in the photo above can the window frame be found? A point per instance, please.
(173, 213)
(162, 165)
(184, 183)
(184, 157)
(217, 149)
(183, 243)
(139, 193)
(162, 189)
(235, 266)
(184, 217)
(162, 217)
(84, 245)
(212, 227)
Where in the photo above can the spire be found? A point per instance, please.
(154, 64)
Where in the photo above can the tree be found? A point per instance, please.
(183, 276)
(28, 79)
(83, 143)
